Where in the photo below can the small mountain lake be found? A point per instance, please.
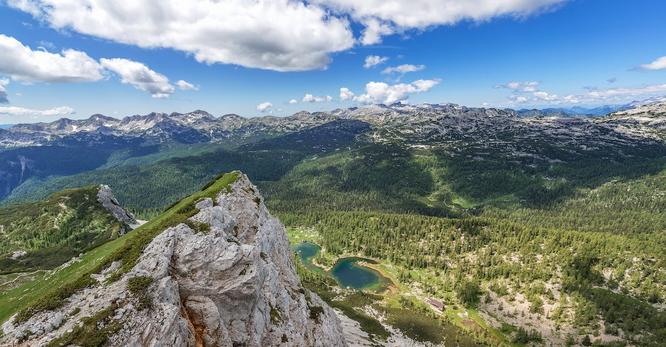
(349, 272)
(306, 251)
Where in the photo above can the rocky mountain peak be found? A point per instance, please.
(201, 113)
(223, 278)
(101, 117)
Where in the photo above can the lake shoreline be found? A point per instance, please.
(347, 265)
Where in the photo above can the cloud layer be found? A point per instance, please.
(385, 17)
(612, 93)
(528, 87)
(23, 112)
(3, 91)
(531, 93)
(282, 35)
(24, 64)
(383, 93)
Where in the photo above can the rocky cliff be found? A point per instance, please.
(224, 278)
(106, 198)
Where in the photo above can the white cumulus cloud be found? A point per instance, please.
(346, 94)
(374, 30)
(545, 96)
(402, 69)
(184, 85)
(527, 86)
(293, 101)
(374, 60)
(140, 76)
(658, 64)
(282, 35)
(264, 107)
(571, 99)
(383, 93)
(22, 63)
(311, 98)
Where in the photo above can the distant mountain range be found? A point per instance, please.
(573, 111)
(577, 111)
(202, 127)
(67, 147)
(6, 126)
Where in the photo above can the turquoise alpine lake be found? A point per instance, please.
(348, 272)
(306, 251)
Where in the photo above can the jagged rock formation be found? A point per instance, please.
(419, 125)
(106, 198)
(224, 278)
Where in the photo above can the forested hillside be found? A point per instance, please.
(45, 234)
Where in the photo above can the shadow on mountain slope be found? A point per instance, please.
(152, 187)
(537, 183)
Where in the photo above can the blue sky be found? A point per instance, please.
(559, 53)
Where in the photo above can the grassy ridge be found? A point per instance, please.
(49, 291)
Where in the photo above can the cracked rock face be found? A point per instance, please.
(232, 285)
